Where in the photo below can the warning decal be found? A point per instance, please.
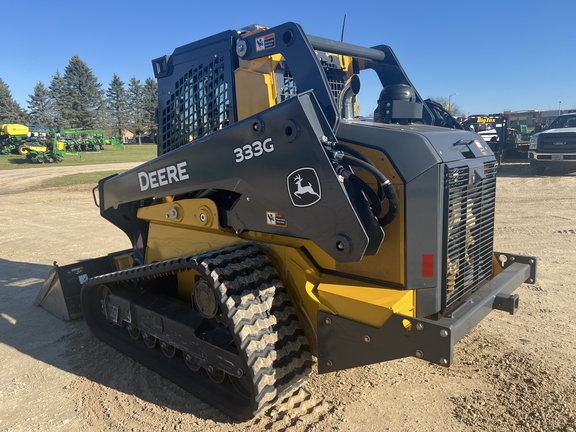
(265, 42)
(481, 148)
(274, 219)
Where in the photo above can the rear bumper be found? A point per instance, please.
(344, 344)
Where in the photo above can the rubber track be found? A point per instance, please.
(268, 330)
(260, 316)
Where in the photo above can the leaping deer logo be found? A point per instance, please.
(303, 189)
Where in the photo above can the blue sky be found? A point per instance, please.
(496, 55)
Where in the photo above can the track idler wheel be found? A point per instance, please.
(204, 299)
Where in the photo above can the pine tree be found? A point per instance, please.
(10, 110)
(117, 104)
(56, 89)
(135, 107)
(150, 103)
(40, 106)
(82, 97)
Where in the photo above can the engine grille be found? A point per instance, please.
(558, 142)
(469, 230)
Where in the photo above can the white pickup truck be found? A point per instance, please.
(556, 146)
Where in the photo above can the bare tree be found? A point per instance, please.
(448, 105)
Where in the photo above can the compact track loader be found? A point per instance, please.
(276, 225)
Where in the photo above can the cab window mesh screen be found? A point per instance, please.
(287, 87)
(199, 103)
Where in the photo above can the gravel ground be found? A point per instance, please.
(511, 373)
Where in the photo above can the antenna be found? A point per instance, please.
(343, 25)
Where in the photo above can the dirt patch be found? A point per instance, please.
(511, 373)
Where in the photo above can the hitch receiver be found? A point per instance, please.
(506, 303)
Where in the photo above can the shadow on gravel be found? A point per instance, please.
(71, 347)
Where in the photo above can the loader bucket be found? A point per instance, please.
(60, 292)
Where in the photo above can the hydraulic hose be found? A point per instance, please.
(393, 205)
(355, 153)
(385, 187)
(361, 184)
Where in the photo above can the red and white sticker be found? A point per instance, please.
(481, 148)
(274, 219)
(265, 42)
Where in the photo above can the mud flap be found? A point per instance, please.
(60, 292)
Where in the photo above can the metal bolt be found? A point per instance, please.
(210, 369)
(247, 198)
(163, 344)
(328, 321)
(444, 333)
(329, 363)
(419, 326)
(367, 339)
(172, 214)
(530, 280)
(188, 357)
(531, 261)
(241, 48)
(419, 354)
(443, 361)
(512, 258)
(239, 372)
(340, 246)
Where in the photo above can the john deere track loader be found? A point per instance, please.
(276, 225)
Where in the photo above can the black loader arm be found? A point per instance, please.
(275, 167)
